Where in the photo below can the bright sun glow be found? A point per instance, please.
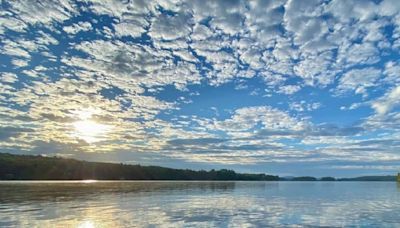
(88, 129)
(89, 181)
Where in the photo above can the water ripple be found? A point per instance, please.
(199, 204)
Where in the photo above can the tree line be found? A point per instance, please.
(28, 167)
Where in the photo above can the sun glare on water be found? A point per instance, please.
(86, 224)
(89, 130)
(88, 181)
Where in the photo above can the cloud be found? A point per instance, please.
(171, 27)
(359, 80)
(245, 119)
(365, 53)
(387, 102)
(333, 130)
(304, 106)
(289, 89)
(80, 26)
(8, 132)
(301, 19)
(131, 65)
(133, 28)
(44, 12)
(196, 141)
(306, 53)
(7, 77)
(388, 122)
(391, 72)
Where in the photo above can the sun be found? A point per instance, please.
(88, 129)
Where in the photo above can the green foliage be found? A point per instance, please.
(26, 167)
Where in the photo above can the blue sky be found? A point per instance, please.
(281, 87)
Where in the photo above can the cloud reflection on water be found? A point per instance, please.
(176, 204)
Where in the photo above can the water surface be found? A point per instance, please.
(199, 204)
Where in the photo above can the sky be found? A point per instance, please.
(280, 87)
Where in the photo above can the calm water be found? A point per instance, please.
(199, 204)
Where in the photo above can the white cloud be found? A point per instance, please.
(346, 11)
(387, 102)
(13, 48)
(299, 42)
(201, 32)
(245, 119)
(130, 65)
(43, 12)
(304, 106)
(365, 53)
(171, 27)
(359, 80)
(392, 72)
(129, 28)
(289, 89)
(8, 77)
(7, 22)
(119, 9)
(226, 15)
(20, 62)
(78, 27)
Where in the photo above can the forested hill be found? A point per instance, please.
(27, 167)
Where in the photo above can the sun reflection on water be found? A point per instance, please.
(88, 181)
(200, 204)
(86, 224)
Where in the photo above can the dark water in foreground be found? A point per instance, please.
(199, 204)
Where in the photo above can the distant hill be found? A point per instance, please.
(304, 179)
(370, 178)
(27, 167)
(362, 178)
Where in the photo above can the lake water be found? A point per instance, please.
(199, 204)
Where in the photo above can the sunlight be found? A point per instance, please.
(86, 224)
(88, 129)
(88, 181)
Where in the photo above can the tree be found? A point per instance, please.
(327, 179)
(27, 167)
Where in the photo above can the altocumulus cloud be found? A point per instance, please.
(241, 84)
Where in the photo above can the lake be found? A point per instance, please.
(198, 204)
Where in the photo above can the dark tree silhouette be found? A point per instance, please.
(27, 167)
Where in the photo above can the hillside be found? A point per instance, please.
(27, 167)
(370, 178)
